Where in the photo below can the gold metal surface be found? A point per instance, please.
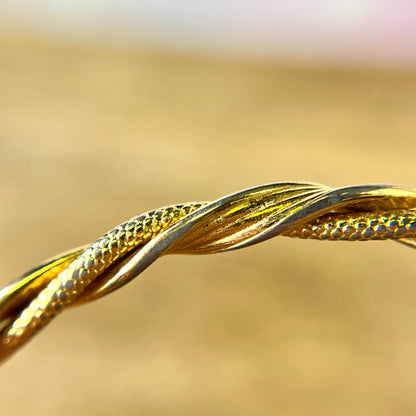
(360, 213)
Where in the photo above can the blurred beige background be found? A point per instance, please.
(93, 135)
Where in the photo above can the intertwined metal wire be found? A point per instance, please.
(303, 210)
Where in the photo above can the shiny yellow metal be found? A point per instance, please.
(303, 210)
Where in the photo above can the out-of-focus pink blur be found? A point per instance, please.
(321, 32)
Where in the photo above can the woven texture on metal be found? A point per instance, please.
(301, 210)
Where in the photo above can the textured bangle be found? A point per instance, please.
(302, 210)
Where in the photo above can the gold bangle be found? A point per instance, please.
(302, 210)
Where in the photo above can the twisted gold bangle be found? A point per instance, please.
(303, 210)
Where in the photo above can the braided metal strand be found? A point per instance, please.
(303, 210)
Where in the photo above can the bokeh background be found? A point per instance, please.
(109, 109)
